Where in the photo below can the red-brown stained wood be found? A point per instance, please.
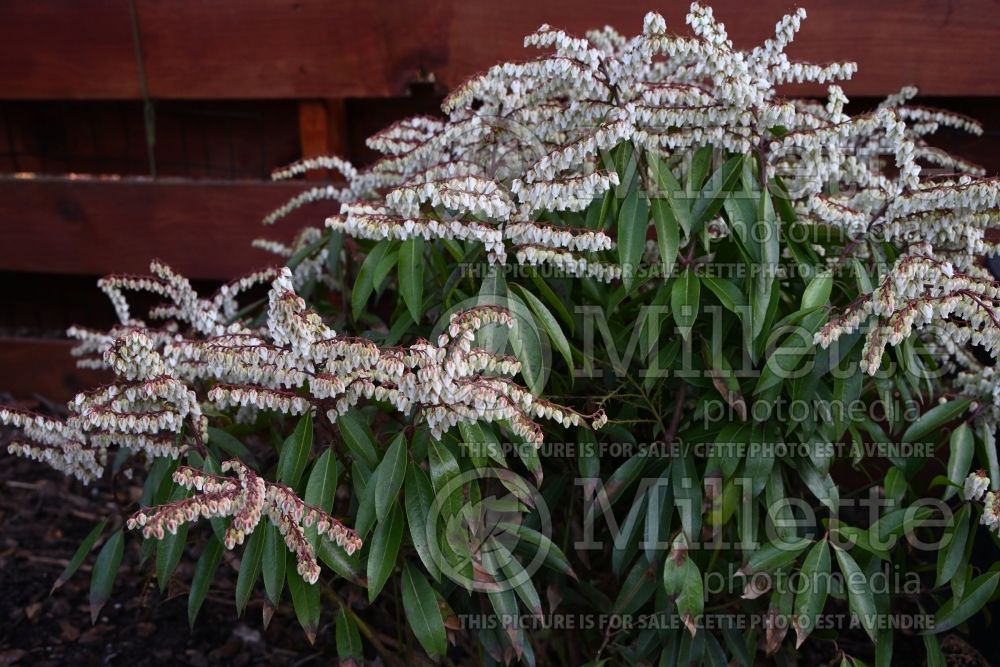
(945, 48)
(357, 48)
(58, 49)
(96, 226)
(291, 48)
(43, 367)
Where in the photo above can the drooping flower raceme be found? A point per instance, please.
(246, 498)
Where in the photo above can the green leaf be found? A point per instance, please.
(321, 488)
(935, 658)
(365, 517)
(423, 613)
(250, 565)
(688, 494)
(358, 437)
(418, 498)
(669, 188)
(230, 444)
(102, 577)
(633, 219)
(701, 162)
(295, 452)
(715, 191)
(334, 250)
(988, 439)
(817, 292)
(305, 600)
(168, 554)
(773, 555)
(444, 468)
(348, 638)
(549, 323)
(811, 599)
(554, 556)
(682, 578)
(766, 235)
(384, 548)
(932, 420)
(204, 572)
(526, 343)
(364, 283)
(81, 554)
(668, 237)
(957, 611)
(274, 559)
(728, 294)
(411, 275)
(950, 556)
(389, 477)
(684, 301)
(962, 446)
(859, 592)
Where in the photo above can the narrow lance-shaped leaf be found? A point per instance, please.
(384, 548)
(364, 283)
(859, 592)
(418, 498)
(274, 558)
(633, 219)
(818, 291)
(950, 556)
(295, 452)
(349, 648)
(958, 610)
(80, 555)
(685, 296)
(389, 477)
(102, 578)
(962, 446)
(668, 188)
(668, 238)
(305, 600)
(204, 571)
(932, 420)
(358, 437)
(322, 485)
(549, 323)
(250, 564)
(422, 612)
(411, 275)
(170, 549)
(766, 235)
(810, 600)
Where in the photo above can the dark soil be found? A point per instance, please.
(43, 519)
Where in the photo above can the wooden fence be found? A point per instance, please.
(334, 71)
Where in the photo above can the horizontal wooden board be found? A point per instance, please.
(94, 226)
(67, 49)
(32, 367)
(358, 48)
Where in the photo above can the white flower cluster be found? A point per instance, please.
(295, 364)
(209, 317)
(531, 137)
(149, 412)
(246, 498)
(976, 489)
(919, 291)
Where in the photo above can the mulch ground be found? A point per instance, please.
(43, 519)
